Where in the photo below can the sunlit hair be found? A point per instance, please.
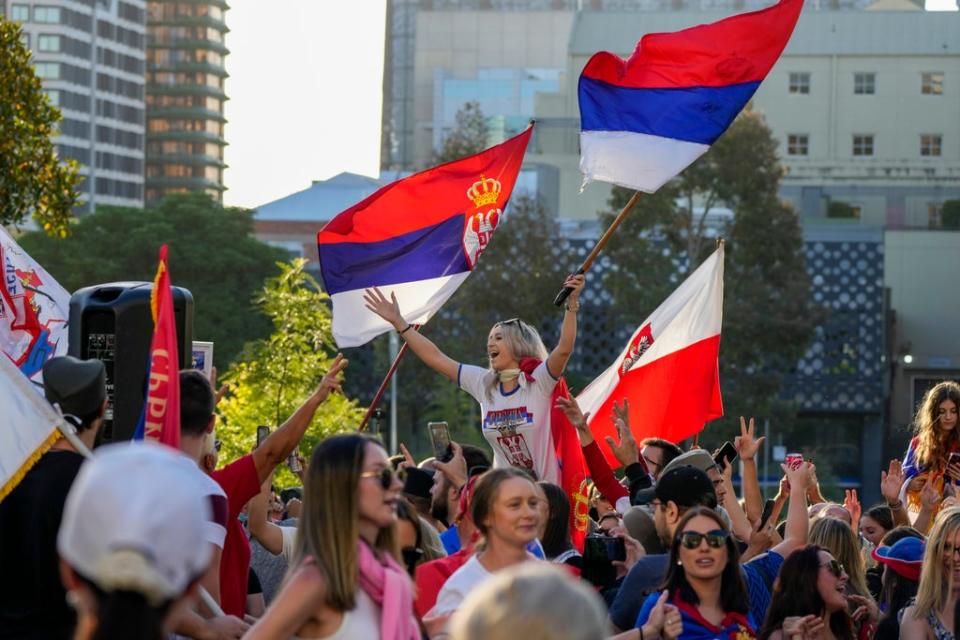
(329, 524)
(524, 342)
(882, 515)
(486, 491)
(733, 590)
(838, 538)
(795, 593)
(935, 444)
(533, 601)
(935, 584)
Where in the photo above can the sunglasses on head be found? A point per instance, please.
(834, 568)
(715, 539)
(385, 475)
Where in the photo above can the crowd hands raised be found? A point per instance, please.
(464, 546)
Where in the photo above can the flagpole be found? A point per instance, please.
(604, 239)
(386, 380)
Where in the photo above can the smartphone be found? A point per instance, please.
(262, 433)
(767, 512)
(599, 552)
(293, 462)
(440, 439)
(726, 455)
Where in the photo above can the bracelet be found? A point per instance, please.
(895, 507)
(409, 326)
(574, 309)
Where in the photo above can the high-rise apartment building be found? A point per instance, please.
(90, 55)
(185, 96)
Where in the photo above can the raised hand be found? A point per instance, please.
(866, 610)
(456, 468)
(222, 391)
(746, 445)
(890, 482)
(577, 418)
(332, 381)
(656, 619)
(918, 482)
(851, 502)
(408, 460)
(626, 451)
(389, 310)
(802, 628)
(800, 477)
(576, 283)
(929, 496)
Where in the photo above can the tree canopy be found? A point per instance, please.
(212, 253)
(33, 180)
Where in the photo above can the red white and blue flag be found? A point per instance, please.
(645, 119)
(160, 418)
(419, 238)
(669, 368)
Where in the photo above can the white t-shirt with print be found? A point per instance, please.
(516, 424)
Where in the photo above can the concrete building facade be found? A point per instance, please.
(90, 56)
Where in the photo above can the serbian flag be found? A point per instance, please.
(160, 418)
(645, 119)
(419, 238)
(668, 371)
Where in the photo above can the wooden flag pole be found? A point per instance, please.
(386, 381)
(604, 239)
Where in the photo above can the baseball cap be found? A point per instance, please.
(686, 487)
(418, 482)
(697, 458)
(134, 520)
(78, 386)
(905, 557)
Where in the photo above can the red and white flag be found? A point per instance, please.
(668, 371)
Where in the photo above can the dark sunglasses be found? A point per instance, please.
(715, 539)
(834, 567)
(217, 444)
(514, 321)
(386, 476)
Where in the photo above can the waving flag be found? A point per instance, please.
(34, 310)
(160, 418)
(419, 237)
(668, 370)
(645, 119)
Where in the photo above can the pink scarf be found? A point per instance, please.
(388, 585)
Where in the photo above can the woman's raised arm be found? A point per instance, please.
(557, 361)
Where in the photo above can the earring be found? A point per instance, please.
(679, 563)
(73, 600)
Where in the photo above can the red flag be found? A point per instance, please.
(668, 371)
(160, 419)
(573, 468)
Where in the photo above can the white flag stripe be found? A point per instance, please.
(28, 425)
(634, 160)
(693, 312)
(354, 324)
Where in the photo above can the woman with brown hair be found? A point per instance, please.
(928, 456)
(345, 581)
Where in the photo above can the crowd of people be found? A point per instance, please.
(145, 542)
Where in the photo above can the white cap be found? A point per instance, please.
(134, 521)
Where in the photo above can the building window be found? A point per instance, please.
(46, 14)
(864, 83)
(934, 215)
(47, 42)
(800, 82)
(798, 144)
(863, 145)
(20, 13)
(48, 70)
(930, 144)
(932, 83)
(54, 97)
(25, 39)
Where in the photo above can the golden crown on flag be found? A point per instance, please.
(485, 191)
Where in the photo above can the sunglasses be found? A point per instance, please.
(715, 539)
(834, 567)
(386, 476)
(217, 444)
(514, 321)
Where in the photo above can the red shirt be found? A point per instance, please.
(240, 482)
(431, 576)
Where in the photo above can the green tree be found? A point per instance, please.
(768, 315)
(33, 180)
(276, 374)
(470, 135)
(212, 253)
(950, 215)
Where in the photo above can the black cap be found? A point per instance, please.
(686, 487)
(418, 483)
(78, 386)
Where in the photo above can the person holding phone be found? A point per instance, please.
(933, 455)
(515, 391)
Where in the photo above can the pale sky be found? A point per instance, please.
(305, 88)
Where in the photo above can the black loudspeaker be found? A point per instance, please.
(112, 323)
